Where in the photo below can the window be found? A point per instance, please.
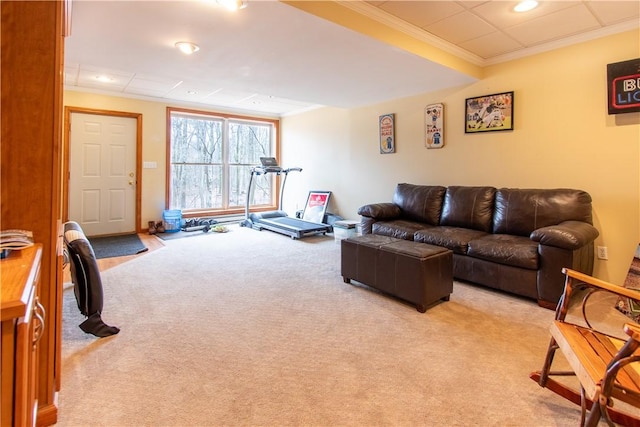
(210, 160)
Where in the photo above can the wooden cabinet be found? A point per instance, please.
(22, 326)
(32, 52)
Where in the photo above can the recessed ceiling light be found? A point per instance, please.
(187, 47)
(526, 5)
(232, 4)
(104, 79)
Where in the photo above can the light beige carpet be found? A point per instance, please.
(254, 328)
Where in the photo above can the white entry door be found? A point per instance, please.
(102, 166)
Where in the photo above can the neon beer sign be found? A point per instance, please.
(623, 80)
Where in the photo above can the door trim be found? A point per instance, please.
(67, 146)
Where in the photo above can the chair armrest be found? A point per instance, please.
(566, 235)
(601, 284)
(633, 330)
(380, 211)
(599, 304)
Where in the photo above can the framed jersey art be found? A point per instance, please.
(434, 126)
(489, 113)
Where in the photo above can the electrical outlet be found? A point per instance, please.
(602, 252)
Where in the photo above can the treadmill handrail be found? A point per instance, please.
(284, 182)
(261, 170)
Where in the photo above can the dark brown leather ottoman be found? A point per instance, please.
(416, 272)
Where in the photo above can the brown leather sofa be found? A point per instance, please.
(515, 240)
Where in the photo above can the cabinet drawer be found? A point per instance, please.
(22, 326)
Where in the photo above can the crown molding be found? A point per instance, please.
(417, 33)
(411, 30)
(567, 41)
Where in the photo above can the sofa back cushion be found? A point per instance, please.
(468, 207)
(520, 211)
(421, 203)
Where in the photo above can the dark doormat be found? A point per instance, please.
(113, 246)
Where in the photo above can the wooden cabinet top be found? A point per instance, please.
(18, 272)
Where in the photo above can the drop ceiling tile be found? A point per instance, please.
(554, 26)
(228, 96)
(468, 4)
(501, 13)
(270, 104)
(493, 44)
(154, 83)
(191, 91)
(612, 12)
(460, 27)
(257, 105)
(280, 101)
(145, 92)
(106, 71)
(254, 102)
(183, 97)
(89, 77)
(421, 13)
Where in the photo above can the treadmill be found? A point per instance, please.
(278, 220)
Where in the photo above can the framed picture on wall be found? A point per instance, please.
(316, 207)
(623, 86)
(387, 138)
(489, 113)
(434, 126)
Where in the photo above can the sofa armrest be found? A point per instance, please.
(566, 235)
(380, 211)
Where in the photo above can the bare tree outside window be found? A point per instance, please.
(247, 143)
(211, 159)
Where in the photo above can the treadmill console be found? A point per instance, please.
(270, 164)
(268, 161)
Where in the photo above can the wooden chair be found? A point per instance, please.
(588, 331)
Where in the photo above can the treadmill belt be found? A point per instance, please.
(294, 227)
(295, 223)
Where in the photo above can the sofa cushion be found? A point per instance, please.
(520, 211)
(399, 228)
(468, 207)
(421, 203)
(516, 251)
(454, 238)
